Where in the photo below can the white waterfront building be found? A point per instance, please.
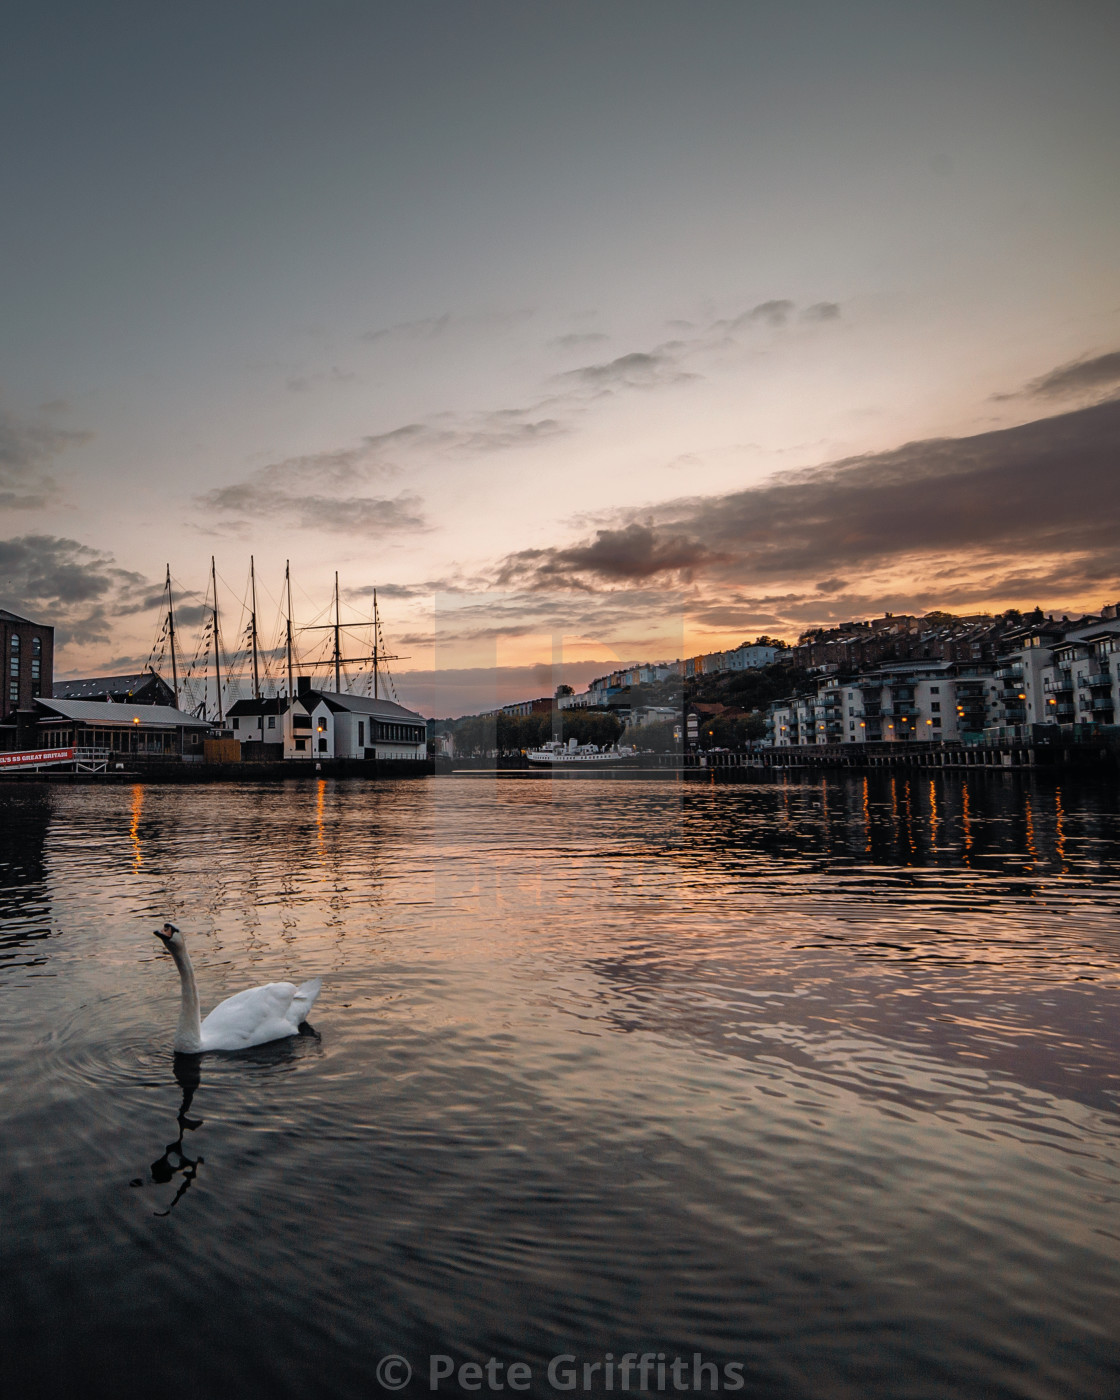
(320, 724)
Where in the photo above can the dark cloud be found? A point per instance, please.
(822, 311)
(79, 590)
(774, 313)
(1078, 377)
(832, 585)
(976, 506)
(27, 450)
(631, 554)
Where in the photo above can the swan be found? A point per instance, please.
(253, 1017)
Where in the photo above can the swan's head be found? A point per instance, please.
(170, 936)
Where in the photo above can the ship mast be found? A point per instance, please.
(376, 639)
(337, 647)
(253, 629)
(217, 639)
(288, 630)
(171, 638)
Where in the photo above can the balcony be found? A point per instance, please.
(1102, 702)
(1099, 680)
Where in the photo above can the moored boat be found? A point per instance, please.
(572, 754)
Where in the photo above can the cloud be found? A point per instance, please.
(363, 515)
(433, 327)
(317, 490)
(638, 370)
(1079, 376)
(304, 383)
(79, 590)
(27, 450)
(774, 313)
(972, 509)
(579, 340)
(822, 311)
(633, 553)
(426, 329)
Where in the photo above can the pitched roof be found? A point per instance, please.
(266, 705)
(113, 712)
(6, 616)
(90, 686)
(366, 705)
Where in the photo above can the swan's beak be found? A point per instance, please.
(164, 938)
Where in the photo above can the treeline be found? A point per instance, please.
(750, 690)
(481, 734)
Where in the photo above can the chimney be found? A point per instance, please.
(303, 685)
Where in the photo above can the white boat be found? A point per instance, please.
(576, 755)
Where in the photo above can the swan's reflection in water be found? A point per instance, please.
(175, 1162)
(187, 1069)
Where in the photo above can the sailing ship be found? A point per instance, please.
(217, 675)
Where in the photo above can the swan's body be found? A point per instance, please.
(253, 1017)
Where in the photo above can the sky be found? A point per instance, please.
(582, 332)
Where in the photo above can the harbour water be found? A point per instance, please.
(813, 1085)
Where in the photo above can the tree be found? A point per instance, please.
(661, 737)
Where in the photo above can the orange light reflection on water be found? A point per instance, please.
(134, 826)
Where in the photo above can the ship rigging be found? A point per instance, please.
(214, 678)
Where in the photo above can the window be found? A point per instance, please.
(301, 721)
(322, 745)
(272, 721)
(937, 721)
(301, 746)
(935, 706)
(935, 690)
(361, 733)
(236, 723)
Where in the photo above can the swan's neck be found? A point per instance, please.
(188, 1036)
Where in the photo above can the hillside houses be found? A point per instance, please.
(999, 681)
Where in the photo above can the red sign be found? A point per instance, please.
(36, 756)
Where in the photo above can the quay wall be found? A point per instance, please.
(140, 771)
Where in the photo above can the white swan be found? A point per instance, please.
(254, 1017)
